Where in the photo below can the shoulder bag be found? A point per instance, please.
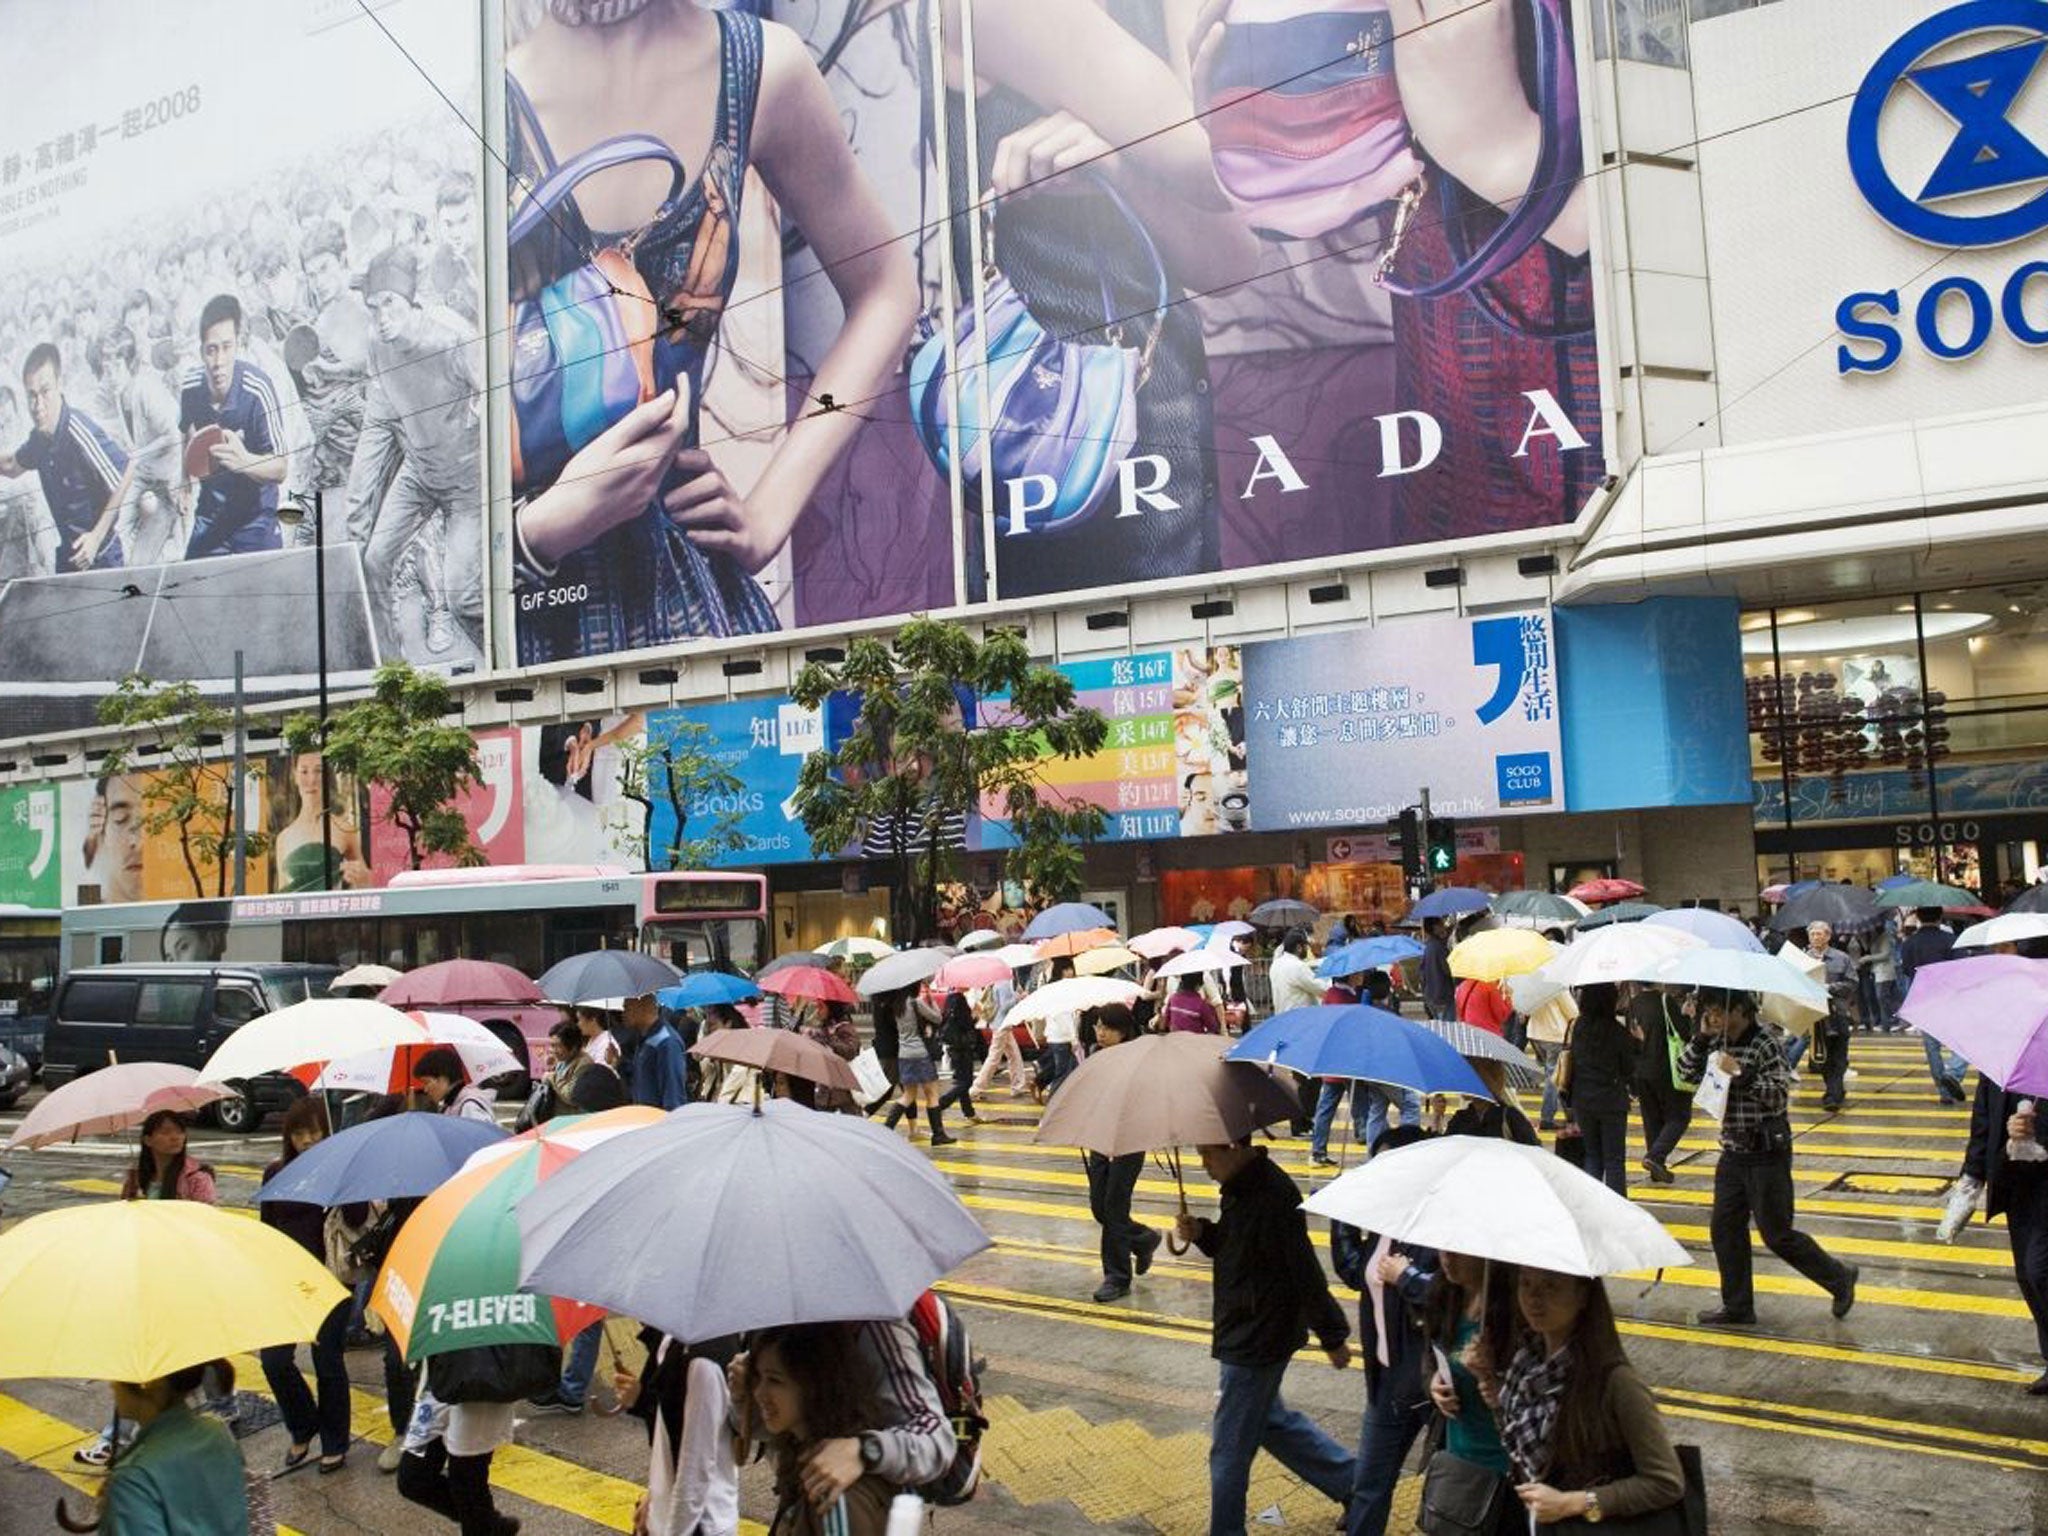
(1461, 1498)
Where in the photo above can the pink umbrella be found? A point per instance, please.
(970, 971)
(460, 981)
(1161, 942)
(808, 982)
(113, 1099)
(1992, 1010)
(1605, 889)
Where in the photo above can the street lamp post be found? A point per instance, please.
(293, 515)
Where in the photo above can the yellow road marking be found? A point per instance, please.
(1974, 1437)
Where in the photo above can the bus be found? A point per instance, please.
(29, 943)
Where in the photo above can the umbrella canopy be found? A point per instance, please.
(1926, 893)
(1738, 970)
(461, 981)
(1068, 917)
(1283, 913)
(2033, 899)
(857, 946)
(375, 977)
(1844, 908)
(1073, 994)
(1451, 901)
(1993, 1010)
(981, 938)
(1607, 888)
(1496, 1199)
(1196, 961)
(794, 1217)
(113, 1099)
(396, 1158)
(1018, 956)
(2009, 928)
(807, 982)
(964, 973)
(700, 989)
(1539, 907)
(320, 1029)
(1080, 941)
(1628, 952)
(798, 957)
(1157, 943)
(1100, 962)
(389, 1068)
(1374, 954)
(903, 968)
(92, 1290)
(1356, 1040)
(1524, 1071)
(1620, 912)
(1716, 930)
(606, 973)
(1500, 953)
(1163, 1091)
(778, 1050)
(1222, 933)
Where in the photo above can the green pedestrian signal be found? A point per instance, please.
(1440, 854)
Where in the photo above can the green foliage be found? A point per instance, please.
(188, 787)
(908, 768)
(682, 772)
(397, 739)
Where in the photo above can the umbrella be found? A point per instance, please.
(1283, 913)
(1199, 960)
(1774, 894)
(1068, 917)
(319, 1029)
(700, 989)
(809, 983)
(1223, 932)
(1201, 931)
(1716, 930)
(1073, 994)
(1629, 952)
(1607, 888)
(1499, 953)
(93, 1290)
(784, 962)
(964, 973)
(1524, 1071)
(1018, 956)
(1356, 1040)
(1496, 1199)
(857, 946)
(1926, 893)
(2033, 899)
(607, 973)
(1620, 912)
(981, 938)
(2011, 928)
(113, 1099)
(1844, 908)
(1539, 906)
(566, 1137)
(461, 981)
(1163, 1091)
(375, 977)
(396, 1158)
(1099, 962)
(1451, 901)
(1158, 943)
(1080, 941)
(778, 1050)
(389, 1068)
(793, 1217)
(1738, 970)
(904, 968)
(1374, 954)
(1992, 1010)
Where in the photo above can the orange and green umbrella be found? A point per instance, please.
(451, 1280)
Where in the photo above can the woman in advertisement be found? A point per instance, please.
(301, 841)
(632, 126)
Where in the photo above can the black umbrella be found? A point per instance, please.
(1844, 908)
(784, 962)
(2033, 899)
(606, 973)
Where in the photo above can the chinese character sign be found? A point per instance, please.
(491, 807)
(1346, 729)
(762, 743)
(30, 869)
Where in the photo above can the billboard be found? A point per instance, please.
(238, 276)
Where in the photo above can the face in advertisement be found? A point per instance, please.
(297, 848)
(196, 931)
(630, 527)
(114, 838)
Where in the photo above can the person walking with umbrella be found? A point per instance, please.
(1439, 988)
(961, 1040)
(917, 1074)
(805, 1386)
(1269, 1295)
(682, 1396)
(439, 1075)
(1659, 1025)
(305, 1416)
(1931, 942)
(661, 1070)
(184, 1473)
(891, 1010)
(1753, 1179)
(1127, 1245)
(2000, 1123)
(1004, 1051)
(1831, 1037)
(1603, 1061)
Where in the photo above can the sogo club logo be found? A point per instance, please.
(1968, 201)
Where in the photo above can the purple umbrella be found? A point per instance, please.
(1993, 1010)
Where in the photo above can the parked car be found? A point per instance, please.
(22, 1023)
(14, 1077)
(176, 1013)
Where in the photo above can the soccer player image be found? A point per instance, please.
(236, 508)
(85, 474)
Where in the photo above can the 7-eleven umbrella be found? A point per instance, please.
(809, 983)
(451, 1280)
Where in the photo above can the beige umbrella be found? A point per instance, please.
(778, 1050)
(1100, 962)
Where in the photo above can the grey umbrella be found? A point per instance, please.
(1844, 908)
(905, 968)
(2033, 899)
(1541, 906)
(606, 973)
(784, 962)
(722, 1218)
(1524, 1071)
(1283, 913)
(1620, 912)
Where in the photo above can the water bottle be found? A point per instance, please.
(2026, 1149)
(906, 1516)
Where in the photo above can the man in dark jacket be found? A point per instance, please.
(660, 1070)
(1930, 944)
(2019, 1190)
(1439, 991)
(1269, 1296)
(1127, 1245)
(1655, 1019)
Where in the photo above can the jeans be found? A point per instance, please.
(1834, 1067)
(304, 1415)
(1378, 1100)
(1759, 1185)
(1547, 1052)
(1251, 1417)
(457, 1488)
(1060, 1065)
(1327, 1101)
(575, 1383)
(1110, 1183)
(1667, 1113)
(404, 516)
(1606, 1146)
(1942, 1062)
(1795, 1043)
(1387, 1434)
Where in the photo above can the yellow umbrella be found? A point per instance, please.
(1499, 953)
(130, 1290)
(1100, 962)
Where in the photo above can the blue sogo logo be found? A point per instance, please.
(1523, 778)
(1976, 90)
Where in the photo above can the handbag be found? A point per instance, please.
(494, 1373)
(1461, 1498)
(1688, 1517)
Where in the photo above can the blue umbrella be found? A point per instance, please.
(1451, 901)
(699, 989)
(396, 1158)
(1360, 1041)
(1889, 882)
(1068, 917)
(1374, 954)
(1202, 930)
(606, 973)
(1716, 929)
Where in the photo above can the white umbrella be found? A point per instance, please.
(1196, 960)
(1158, 942)
(1716, 929)
(857, 947)
(320, 1029)
(385, 1070)
(2006, 928)
(981, 938)
(1075, 994)
(903, 968)
(1619, 952)
(1735, 970)
(1018, 957)
(378, 976)
(1100, 962)
(1497, 1199)
(1221, 935)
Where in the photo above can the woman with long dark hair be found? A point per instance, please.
(803, 1386)
(1470, 1301)
(163, 1170)
(305, 1415)
(1603, 1062)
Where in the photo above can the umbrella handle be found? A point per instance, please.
(66, 1521)
(1174, 1245)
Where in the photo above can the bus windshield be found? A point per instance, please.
(738, 944)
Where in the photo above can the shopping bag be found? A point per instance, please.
(874, 1082)
(1713, 1090)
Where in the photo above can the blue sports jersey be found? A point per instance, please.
(80, 466)
(235, 512)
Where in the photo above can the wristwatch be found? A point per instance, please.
(870, 1452)
(1593, 1513)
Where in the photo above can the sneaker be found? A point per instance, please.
(553, 1402)
(1723, 1317)
(1845, 1297)
(440, 631)
(98, 1454)
(1111, 1290)
(389, 1458)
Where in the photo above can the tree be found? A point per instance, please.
(396, 739)
(903, 783)
(188, 788)
(681, 773)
